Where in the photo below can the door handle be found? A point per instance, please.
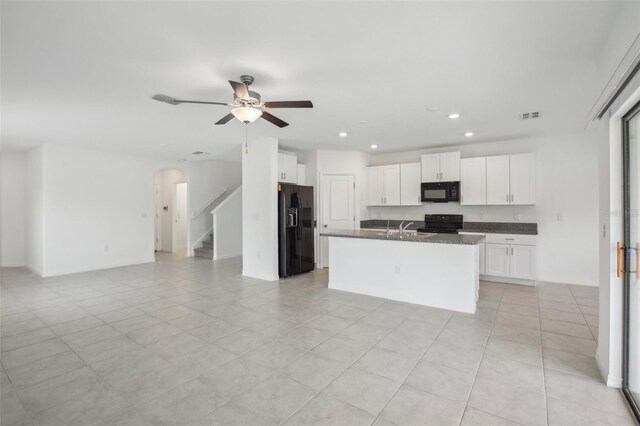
(507, 249)
(619, 250)
(511, 251)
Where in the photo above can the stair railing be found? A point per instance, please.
(199, 240)
(197, 212)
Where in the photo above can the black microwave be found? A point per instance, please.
(440, 192)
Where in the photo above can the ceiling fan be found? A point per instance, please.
(247, 104)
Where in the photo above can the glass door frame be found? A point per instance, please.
(627, 249)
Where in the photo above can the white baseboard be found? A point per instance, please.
(506, 280)
(227, 256)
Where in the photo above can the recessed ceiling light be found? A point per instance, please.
(468, 134)
(454, 116)
(342, 134)
(374, 146)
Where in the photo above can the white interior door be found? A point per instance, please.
(181, 218)
(337, 207)
(157, 220)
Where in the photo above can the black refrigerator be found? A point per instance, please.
(295, 229)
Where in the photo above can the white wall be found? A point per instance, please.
(566, 183)
(88, 210)
(12, 209)
(260, 210)
(227, 225)
(35, 197)
(98, 210)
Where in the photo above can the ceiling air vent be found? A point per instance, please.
(199, 153)
(529, 115)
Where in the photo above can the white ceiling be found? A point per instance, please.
(83, 73)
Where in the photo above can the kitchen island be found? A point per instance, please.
(439, 270)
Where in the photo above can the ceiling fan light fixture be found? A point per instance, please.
(246, 114)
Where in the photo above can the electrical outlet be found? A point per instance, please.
(397, 268)
(258, 255)
(481, 216)
(559, 217)
(517, 217)
(106, 247)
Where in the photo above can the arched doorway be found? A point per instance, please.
(171, 231)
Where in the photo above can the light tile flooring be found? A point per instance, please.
(190, 342)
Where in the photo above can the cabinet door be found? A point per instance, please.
(483, 258)
(522, 179)
(450, 166)
(376, 186)
(497, 262)
(430, 164)
(410, 184)
(290, 168)
(392, 185)
(522, 262)
(302, 174)
(473, 181)
(281, 167)
(498, 180)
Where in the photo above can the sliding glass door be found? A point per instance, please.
(630, 257)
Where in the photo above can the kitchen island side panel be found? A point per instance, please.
(438, 275)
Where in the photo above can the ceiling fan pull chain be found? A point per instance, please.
(246, 138)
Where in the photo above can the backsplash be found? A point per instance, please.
(470, 213)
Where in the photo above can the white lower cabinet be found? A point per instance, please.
(522, 262)
(497, 260)
(511, 256)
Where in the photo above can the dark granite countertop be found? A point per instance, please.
(501, 227)
(521, 228)
(416, 238)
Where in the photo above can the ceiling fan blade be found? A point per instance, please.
(174, 101)
(166, 99)
(274, 120)
(289, 104)
(240, 90)
(225, 119)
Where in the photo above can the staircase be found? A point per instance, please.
(206, 251)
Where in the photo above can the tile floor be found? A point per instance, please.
(190, 342)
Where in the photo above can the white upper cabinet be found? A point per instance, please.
(431, 168)
(473, 181)
(498, 180)
(522, 179)
(376, 186)
(302, 174)
(450, 166)
(511, 179)
(443, 167)
(410, 184)
(287, 168)
(392, 185)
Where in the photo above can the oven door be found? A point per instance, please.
(436, 192)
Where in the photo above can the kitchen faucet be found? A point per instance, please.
(405, 228)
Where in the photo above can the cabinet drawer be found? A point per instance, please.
(527, 240)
